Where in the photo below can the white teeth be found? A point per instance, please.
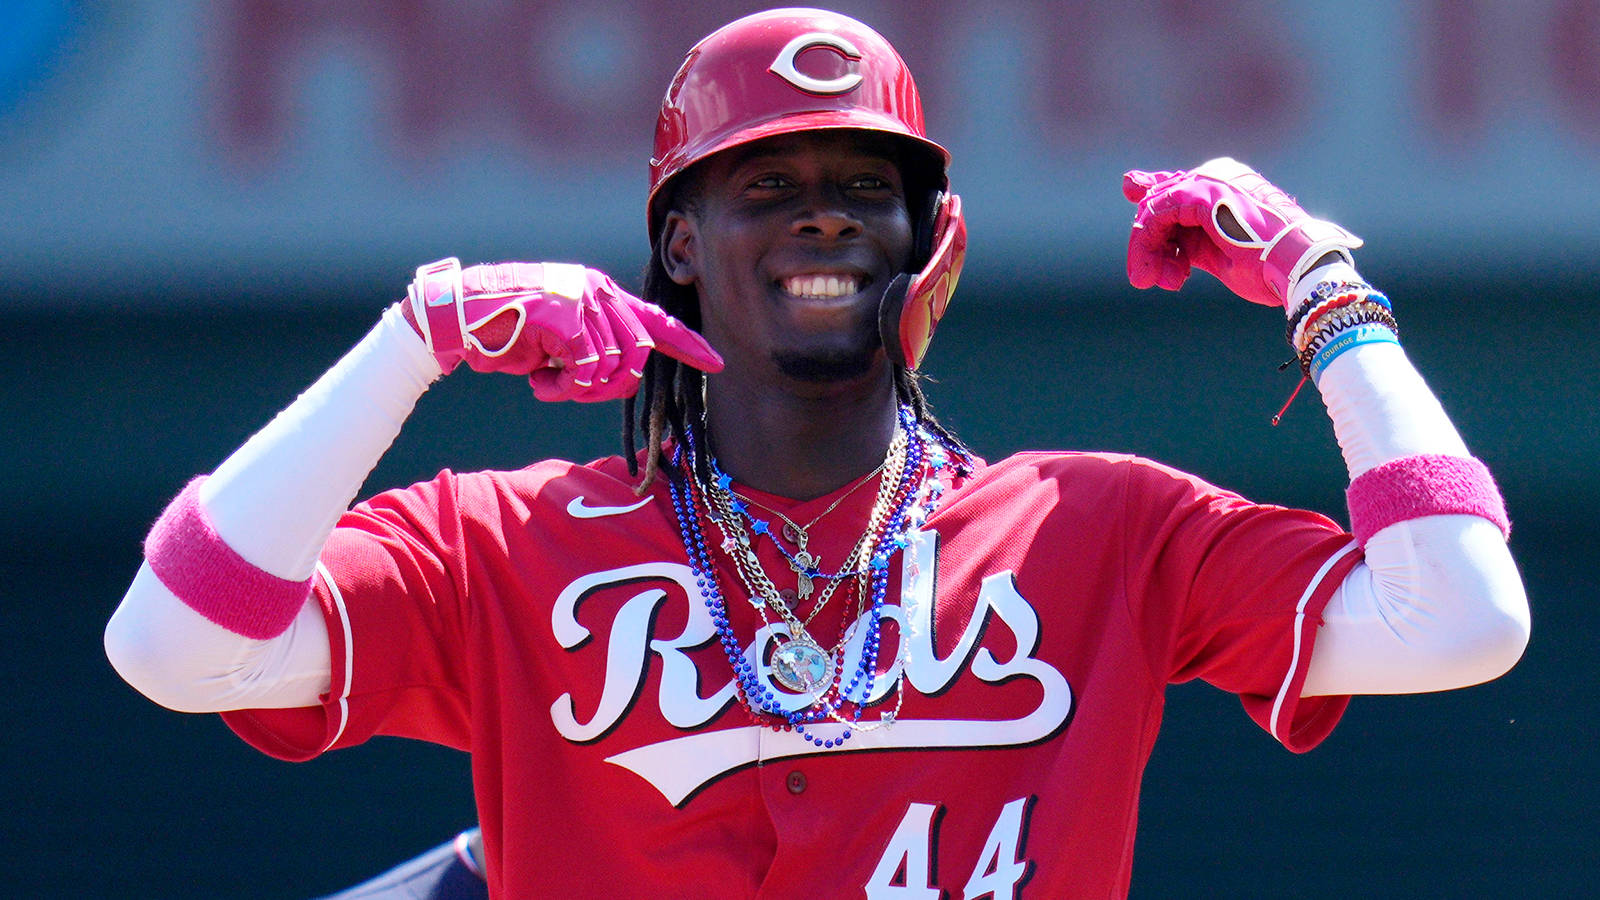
(820, 287)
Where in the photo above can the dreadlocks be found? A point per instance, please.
(671, 392)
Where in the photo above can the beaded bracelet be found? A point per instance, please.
(1332, 309)
(1348, 317)
(1327, 289)
(1329, 327)
(1307, 325)
(1322, 293)
(1317, 307)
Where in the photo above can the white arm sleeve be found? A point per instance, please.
(184, 661)
(274, 502)
(1438, 603)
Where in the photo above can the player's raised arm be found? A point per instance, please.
(1438, 602)
(217, 617)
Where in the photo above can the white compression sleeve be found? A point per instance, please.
(274, 502)
(185, 662)
(1438, 603)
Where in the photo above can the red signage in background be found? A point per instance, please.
(1188, 75)
(582, 81)
(1575, 61)
(311, 132)
(1485, 63)
(578, 81)
(1452, 88)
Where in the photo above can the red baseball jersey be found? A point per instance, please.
(548, 621)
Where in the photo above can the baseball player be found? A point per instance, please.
(798, 639)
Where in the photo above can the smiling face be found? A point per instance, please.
(789, 243)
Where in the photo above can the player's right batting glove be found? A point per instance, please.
(1228, 220)
(570, 329)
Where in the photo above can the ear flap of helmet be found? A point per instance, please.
(913, 304)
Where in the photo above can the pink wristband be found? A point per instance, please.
(1426, 485)
(194, 563)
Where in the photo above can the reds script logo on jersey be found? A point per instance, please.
(681, 766)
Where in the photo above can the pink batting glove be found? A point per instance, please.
(1181, 222)
(570, 329)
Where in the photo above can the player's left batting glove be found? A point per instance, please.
(570, 329)
(1228, 220)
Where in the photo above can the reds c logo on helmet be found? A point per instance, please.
(789, 70)
(784, 67)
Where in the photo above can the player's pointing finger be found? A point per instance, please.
(678, 340)
(1136, 184)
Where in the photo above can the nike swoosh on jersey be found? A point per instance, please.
(578, 510)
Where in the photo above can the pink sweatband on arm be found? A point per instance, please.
(1424, 485)
(192, 561)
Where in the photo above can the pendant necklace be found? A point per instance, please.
(799, 662)
(912, 484)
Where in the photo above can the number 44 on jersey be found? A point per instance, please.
(905, 871)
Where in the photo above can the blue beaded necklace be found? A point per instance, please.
(916, 494)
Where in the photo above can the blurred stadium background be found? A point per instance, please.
(202, 205)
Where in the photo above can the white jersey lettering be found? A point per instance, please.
(680, 766)
(679, 698)
(905, 870)
(1000, 866)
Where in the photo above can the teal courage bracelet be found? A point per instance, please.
(1365, 333)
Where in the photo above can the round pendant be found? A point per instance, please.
(802, 665)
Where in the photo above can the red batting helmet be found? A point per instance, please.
(788, 70)
(777, 72)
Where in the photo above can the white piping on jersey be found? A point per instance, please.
(1299, 620)
(578, 510)
(349, 652)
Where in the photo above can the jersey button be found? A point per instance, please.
(796, 782)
